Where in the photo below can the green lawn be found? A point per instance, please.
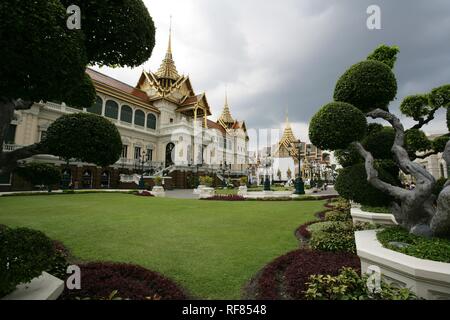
(211, 248)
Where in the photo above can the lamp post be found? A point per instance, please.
(142, 163)
(299, 184)
(268, 164)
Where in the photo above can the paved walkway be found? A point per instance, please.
(181, 194)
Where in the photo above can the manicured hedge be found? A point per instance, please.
(367, 85)
(286, 276)
(101, 279)
(336, 125)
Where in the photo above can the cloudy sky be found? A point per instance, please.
(288, 54)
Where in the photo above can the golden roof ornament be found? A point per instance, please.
(168, 70)
(225, 118)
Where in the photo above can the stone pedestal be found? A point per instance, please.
(206, 192)
(158, 191)
(242, 191)
(44, 287)
(384, 219)
(199, 189)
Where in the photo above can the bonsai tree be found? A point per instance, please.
(46, 61)
(41, 174)
(365, 91)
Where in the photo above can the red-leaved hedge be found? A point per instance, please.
(286, 276)
(100, 279)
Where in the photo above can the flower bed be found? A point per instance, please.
(125, 281)
(286, 276)
(225, 197)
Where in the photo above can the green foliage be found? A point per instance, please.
(158, 181)
(367, 85)
(348, 157)
(116, 33)
(338, 216)
(352, 184)
(45, 60)
(24, 254)
(333, 236)
(244, 181)
(385, 54)
(416, 106)
(86, 137)
(440, 97)
(206, 181)
(349, 285)
(416, 141)
(438, 144)
(424, 248)
(376, 209)
(40, 173)
(379, 143)
(336, 125)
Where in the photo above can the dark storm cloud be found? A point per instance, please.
(289, 53)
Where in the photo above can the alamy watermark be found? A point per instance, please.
(74, 19)
(374, 20)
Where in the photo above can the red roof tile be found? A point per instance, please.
(118, 85)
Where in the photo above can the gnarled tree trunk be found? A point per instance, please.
(415, 209)
(8, 160)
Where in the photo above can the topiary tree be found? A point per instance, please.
(41, 174)
(46, 61)
(80, 135)
(366, 90)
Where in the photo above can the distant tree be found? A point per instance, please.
(374, 155)
(40, 174)
(45, 61)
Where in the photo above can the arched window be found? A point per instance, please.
(97, 107)
(139, 118)
(105, 179)
(126, 114)
(111, 109)
(87, 179)
(151, 121)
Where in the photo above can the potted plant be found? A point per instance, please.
(158, 189)
(243, 186)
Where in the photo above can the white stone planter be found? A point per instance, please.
(44, 287)
(206, 192)
(384, 219)
(199, 189)
(158, 191)
(242, 190)
(427, 279)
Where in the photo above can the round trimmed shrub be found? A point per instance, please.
(352, 184)
(367, 85)
(336, 125)
(379, 143)
(86, 137)
(338, 216)
(24, 254)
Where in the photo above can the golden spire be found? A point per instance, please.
(168, 70)
(226, 118)
(288, 137)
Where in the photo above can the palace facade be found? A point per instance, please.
(165, 130)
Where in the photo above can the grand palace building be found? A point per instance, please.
(165, 128)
